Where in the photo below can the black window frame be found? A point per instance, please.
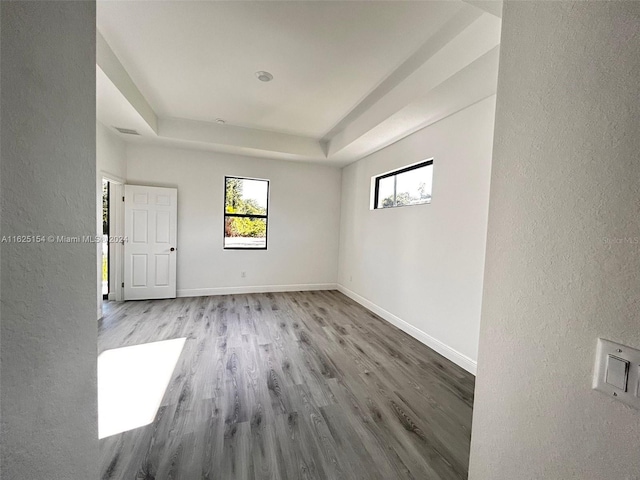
(409, 168)
(244, 215)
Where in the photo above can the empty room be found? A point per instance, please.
(319, 240)
(278, 170)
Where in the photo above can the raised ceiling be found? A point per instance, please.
(349, 77)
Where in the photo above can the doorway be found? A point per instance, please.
(106, 187)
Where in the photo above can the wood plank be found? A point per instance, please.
(296, 385)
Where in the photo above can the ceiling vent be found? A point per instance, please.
(127, 131)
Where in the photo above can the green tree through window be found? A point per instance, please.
(407, 186)
(245, 218)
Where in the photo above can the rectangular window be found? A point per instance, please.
(246, 203)
(407, 186)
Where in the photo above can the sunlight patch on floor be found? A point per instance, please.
(131, 384)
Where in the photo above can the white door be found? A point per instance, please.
(150, 229)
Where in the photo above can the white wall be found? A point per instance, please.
(111, 156)
(421, 266)
(566, 177)
(48, 171)
(304, 218)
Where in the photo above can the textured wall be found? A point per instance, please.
(424, 264)
(303, 228)
(563, 246)
(48, 331)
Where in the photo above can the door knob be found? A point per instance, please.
(173, 249)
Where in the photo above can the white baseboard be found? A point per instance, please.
(445, 350)
(203, 292)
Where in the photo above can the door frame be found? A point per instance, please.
(116, 230)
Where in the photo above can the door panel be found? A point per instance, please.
(163, 227)
(140, 226)
(138, 270)
(162, 270)
(151, 232)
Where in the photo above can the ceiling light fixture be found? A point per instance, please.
(264, 76)
(220, 121)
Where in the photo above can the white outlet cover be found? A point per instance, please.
(607, 349)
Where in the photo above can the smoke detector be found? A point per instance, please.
(264, 76)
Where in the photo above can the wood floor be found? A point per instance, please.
(302, 385)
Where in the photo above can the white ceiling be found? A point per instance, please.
(341, 69)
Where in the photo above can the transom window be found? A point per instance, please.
(246, 204)
(409, 185)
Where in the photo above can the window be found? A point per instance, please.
(408, 186)
(246, 203)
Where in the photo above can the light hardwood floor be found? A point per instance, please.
(301, 385)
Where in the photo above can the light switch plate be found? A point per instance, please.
(614, 376)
